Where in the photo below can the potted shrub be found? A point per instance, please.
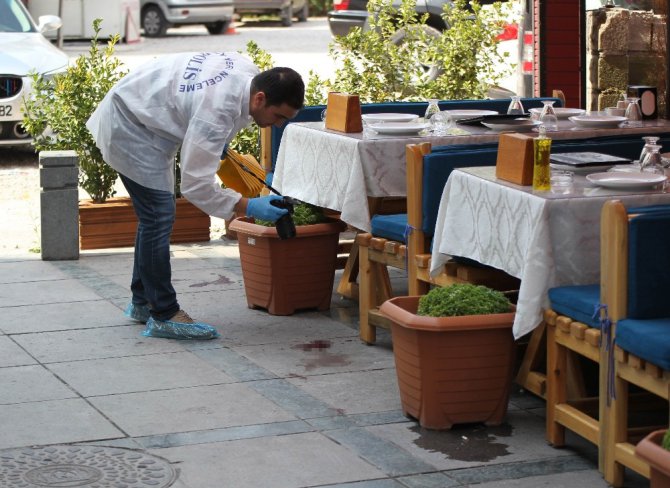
(454, 354)
(285, 275)
(56, 116)
(655, 450)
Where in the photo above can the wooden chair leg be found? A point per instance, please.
(556, 386)
(367, 297)
(347, 287)
(614, 429)
(529, 375)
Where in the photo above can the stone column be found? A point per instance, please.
(59, 205)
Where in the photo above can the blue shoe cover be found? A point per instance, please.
(168, 329)
(137, 312)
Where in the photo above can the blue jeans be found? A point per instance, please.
(152, 274)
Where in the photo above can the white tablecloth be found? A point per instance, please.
(339, 171)
(543, 238)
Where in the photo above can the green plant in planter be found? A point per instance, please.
(462, 299)
(303, 214)
(56, 114)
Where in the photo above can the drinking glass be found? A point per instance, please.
(633, 112)
(432, 109)
(515, 106)
(652, 162)
(440, 123)
(648, 140)
(548, 116)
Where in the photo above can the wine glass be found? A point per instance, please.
(648, 140)
(633, 112)
(432, 109)
(548, 116)
(515, 106)
(652, 162)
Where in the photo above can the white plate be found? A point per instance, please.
(517, 125)
(468, 114)
(389, 117)
(597, 121)
(626, 180)
(581, 170)
(399, 127)
(561, 112)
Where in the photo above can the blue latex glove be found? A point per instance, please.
(261, 208)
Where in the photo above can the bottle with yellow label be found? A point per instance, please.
(541, 170)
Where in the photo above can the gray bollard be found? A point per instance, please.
(59, 205)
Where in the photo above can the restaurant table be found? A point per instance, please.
(545, 239)
(340, 171)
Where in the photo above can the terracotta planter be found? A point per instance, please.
(650, 450)
(113, 224)
(451, 370)
(283, 276)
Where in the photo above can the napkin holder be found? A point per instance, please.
(514, 162)
(343, 113)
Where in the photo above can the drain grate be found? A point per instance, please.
(83, 466)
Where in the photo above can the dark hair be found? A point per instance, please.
(280, 85)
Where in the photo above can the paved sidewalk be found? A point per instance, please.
(264, 406)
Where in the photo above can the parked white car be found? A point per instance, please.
(157, 15)
(23, 49)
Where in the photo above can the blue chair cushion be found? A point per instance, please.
(648, 265)
(646, 339)
(390, 226)
(576, 302)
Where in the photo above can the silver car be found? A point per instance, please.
(23, 50)
(158, 15)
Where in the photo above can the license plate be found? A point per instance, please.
(6, 111)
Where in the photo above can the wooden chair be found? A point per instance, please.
(403, 240)
(636, 277)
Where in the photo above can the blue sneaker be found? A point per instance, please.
(137, 312)
(180, 326)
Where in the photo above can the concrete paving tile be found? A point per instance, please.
(300, 328)
(189, 409)
(385, 455)
(62, 316)
(108, 342)
(27, 271)
(293, 399)
(36, 292)
(579, 479)
(232, 363)
(221, 435)
(429, 480)
(138, 373)
(386, 483)
(289, 461)
(192, 279)
(356, 392)
(318, 356)
(31, 384)
(53, 422)
(11, 354)
(521, 438)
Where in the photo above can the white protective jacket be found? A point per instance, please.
(198, 100)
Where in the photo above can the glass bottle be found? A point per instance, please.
(548, 116)
(515, 106)
(541, 169)
(432, 109)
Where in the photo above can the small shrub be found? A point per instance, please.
(462, 299)
(666, 440)
(303, 214)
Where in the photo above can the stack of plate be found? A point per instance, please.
(394, 123)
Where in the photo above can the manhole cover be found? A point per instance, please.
(83, 466)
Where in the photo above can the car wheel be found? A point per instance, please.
(216, 28)
(287, 16)
(304, 13)
(430, 72)
(153, 22)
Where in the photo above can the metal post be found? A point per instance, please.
(59, 34)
